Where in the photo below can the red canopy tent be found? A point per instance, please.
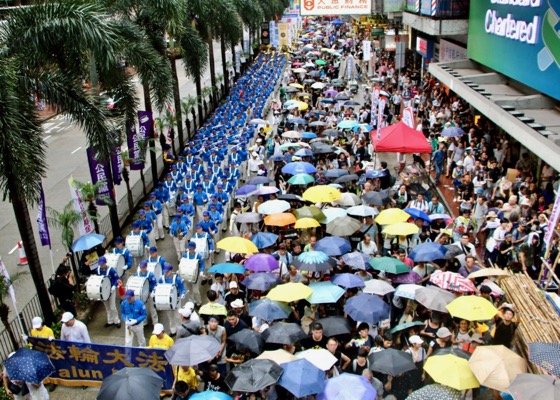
(400, 138)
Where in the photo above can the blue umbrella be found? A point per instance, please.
(308, 135)
(269, 310)
(299, 121)
(298, 167)
(261, 281)
(367, 308)
(375, 173)
(337, 22)
(301, 378)
(357, 260)
(544, 355)
(264, 239)
(245, 191)
(27, 365)
(87, 242)
(347, 124)
(277, 158)
(415, 213)
(347, 386)
(333, 246)
(304, 153)
(210, 395)
(285, 307)
(324, 292)
(313, 261)
(259, 180)
(326, 101)
(348, 280)
(452, 132)
(227, 268)
(336, 173)
(427, 252)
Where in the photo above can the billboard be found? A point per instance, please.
(518, 38)
(335, 7)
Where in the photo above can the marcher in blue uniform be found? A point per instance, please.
(138, 255)
(179, 230)
(157, 207)
(194, 287)
(110, 307)
(171, 317)
(133, 313)
(120, 249)
(144, 273)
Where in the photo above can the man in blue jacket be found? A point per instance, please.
(133, 313)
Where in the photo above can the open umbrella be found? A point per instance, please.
(284, 333)
(356, 260)
(376, 198)
(452, 250)
(333, 246)
(452, 131)
(489, 272)
(378, 287)
(331, 214)
(333, 326)
(248, 339)
(401, 229)
(309, 212)
(266, 190)
(347, 178)
(192, 350)
(253, 375)
(320, 358)
(435, 392)
(27, 365)
(227, 268)
(362, 211)
(427, 251)
(321, 194)
(407, 290)
(261, 262)
(434, 298)
(406, 325)
(281, 219)
(248, 218)
(544, 355)
(391, 362)
(535, 387)
(451, 371)
(453, 351)
(279, 356)
(87, 241)
(347, 386)
(268, 310)
(298, 167)
(416, 213)
(263, 239)
(289, 292)
(259, 180)
(324, 292)
(472, 308)
(213, 309)
(305, 223)
(310, 135)
(347, 280)
(453, 281)
(131, 384)
(367, 308)
(236, 244)
(388, 264)
(348, 199)
(409, 277)
(284, 306)
(313, 261)
(391, 216)
(290, 197)
(209, 395)
(246, 191)
(346, 124)
(274, 207)
(445, 217)
(496, 366)
(336, 172)
(343, 226)
(261, 281)
(301, 179)
(301, 378)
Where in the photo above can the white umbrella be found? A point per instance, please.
(362, 211)
(380, 288)
(258, 121)
(348, 200)
(321, 358)
(291, 134)
(274, 207)
(318, 85)
(343, 226)
(332, 213)
(407, 290)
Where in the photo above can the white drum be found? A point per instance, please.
(98, 288)
(116, 261)
(140, 286)
(188, 269)
(135, 244)
(155, 268)
(201, 247)
(165, 297)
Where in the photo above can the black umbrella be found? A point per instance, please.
(192, 350)
(347, 178)
(391, 362)
(290, 197)
(248, 339)
(452, 251)
(131, 383)
(253, 375)
(314, 74)
(376, 198)
(284, 333)
(331, 132)
(417, 188)
(333, 326)
(452, 350)
(341, 96)
(351, 103)
(318, 112)
(324, 149)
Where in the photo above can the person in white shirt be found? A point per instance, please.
(367, 246)
(73, 330)
(419, 203)
(468, 161)
(253, 164)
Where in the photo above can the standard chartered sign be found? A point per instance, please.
(519, 38)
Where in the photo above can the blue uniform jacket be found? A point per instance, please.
(135, 310)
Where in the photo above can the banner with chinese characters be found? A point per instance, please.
(87, 364)
(85, 225)
(99, 171)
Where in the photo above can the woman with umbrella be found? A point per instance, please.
(416, 377)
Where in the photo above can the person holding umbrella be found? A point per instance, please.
(133, 312)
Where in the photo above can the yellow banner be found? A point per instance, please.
(283, 34)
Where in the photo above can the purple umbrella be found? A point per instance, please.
(409, 277)
(261, 263)
(452, 131)
(333, 246)
(348, 281)
(339, 387)
(330, 92)
(246, 191)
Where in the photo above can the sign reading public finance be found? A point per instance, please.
(335, 7)
(519, 38)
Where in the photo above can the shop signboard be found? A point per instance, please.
(518, 38)
(425, 47)
(451, 52)
(335, 7)
(393, 5)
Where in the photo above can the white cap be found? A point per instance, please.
(158, 328)
(67, 316)
(415, 339)
(237, 303)
(37, 322)
(189, 305)
(185, 312)
(254, 154)
(233, 285)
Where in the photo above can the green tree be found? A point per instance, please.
(188, 105)
(90, 191)
(5, 308)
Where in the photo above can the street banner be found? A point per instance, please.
(552, 222)
(8, 282)
(283, 39)
(87, 364)
(99, 171)
(145, 124)
(366, 47)
(265, 33)
(134, 150)
(331, 7)
(85, 225)
(408, 116)
(380, 112)
(42, 224)
(116, 164)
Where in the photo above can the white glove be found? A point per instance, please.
(51, 338)
(182, 296)
(24, 338)
(113, 288)
(133, 322)
(128, 322)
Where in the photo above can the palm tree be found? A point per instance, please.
(229, 29)
(188, 105)
(65, 220)
(170, 121)
(251, 13)
(90, 191)
(5, 285)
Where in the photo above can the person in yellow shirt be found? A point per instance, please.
(40, 330)
(160, 339)
(188, 375)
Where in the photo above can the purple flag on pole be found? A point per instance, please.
(116, 164)
(42, 221)
(99, 171)
(134, 152)
(145, 124)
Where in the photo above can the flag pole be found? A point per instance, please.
(11, 291)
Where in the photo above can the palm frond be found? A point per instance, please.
(195, 52)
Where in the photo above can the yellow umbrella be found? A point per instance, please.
(237, 244)
(322, 194)
(305, 223)
(401, 229)
(289, 292)
(472, 308)
(213, 309)
(281, 219)
(452, 371)
(279, 356)
(392, 216)
(489, 272)
(296, 85)
(300, 71)
(496, 366)
(302, 105)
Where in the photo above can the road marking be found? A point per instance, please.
(14, 249)
(76, 150)
(45, 138)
